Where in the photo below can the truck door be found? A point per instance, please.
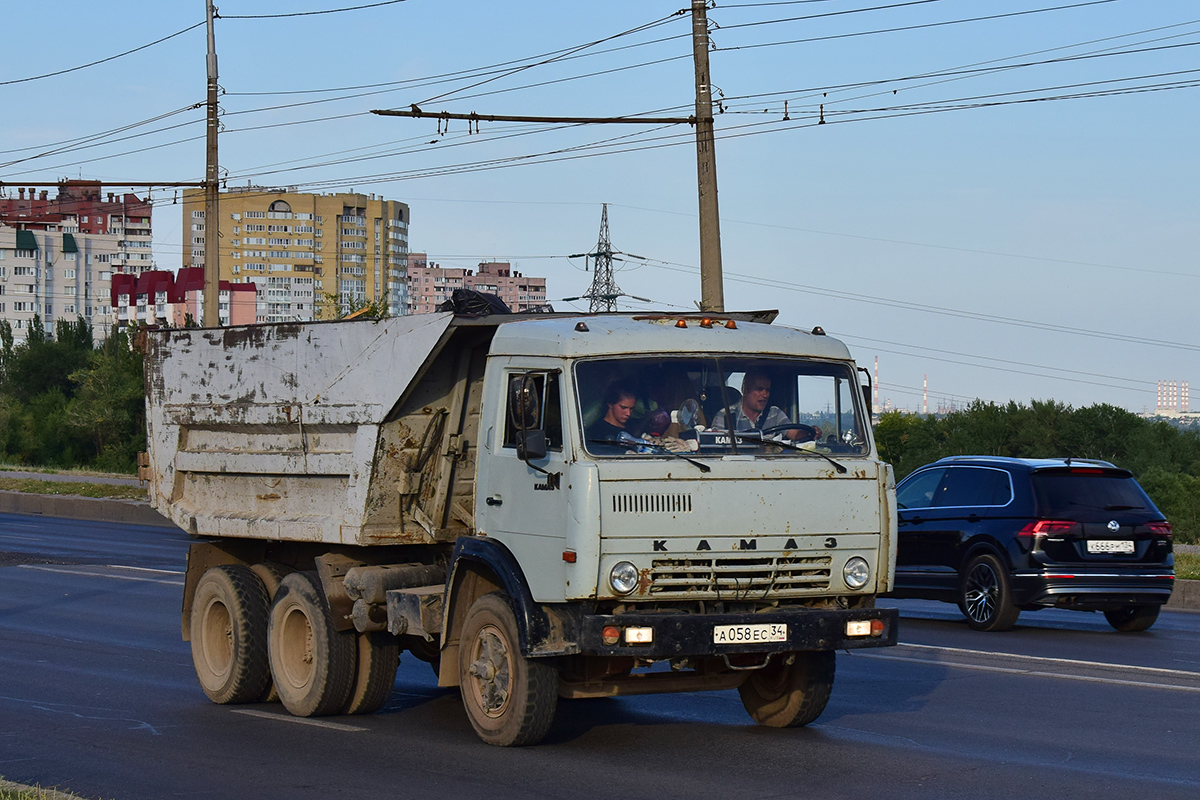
(521, 492)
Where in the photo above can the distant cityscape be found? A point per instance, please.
(284, 256)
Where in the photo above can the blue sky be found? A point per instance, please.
(1024, 250)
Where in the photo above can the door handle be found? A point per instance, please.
(494, 500)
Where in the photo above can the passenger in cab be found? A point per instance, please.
(755, 413)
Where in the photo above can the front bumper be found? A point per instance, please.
(678, 635)
(1066, 588)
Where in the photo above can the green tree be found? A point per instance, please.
(40, 363)
(109, 404)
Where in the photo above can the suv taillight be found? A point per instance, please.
(1160, 529)
(1045, 527)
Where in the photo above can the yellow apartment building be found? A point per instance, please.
(309, 254)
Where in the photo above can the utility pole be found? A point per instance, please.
(212, 214)
(604, 292)
(712, 290)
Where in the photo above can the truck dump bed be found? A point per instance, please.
(350, 432)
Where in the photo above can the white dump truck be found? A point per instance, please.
(539, 505)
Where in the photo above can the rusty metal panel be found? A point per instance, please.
(274, 431)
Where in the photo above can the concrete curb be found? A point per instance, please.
(130, 512)
(1185, 596)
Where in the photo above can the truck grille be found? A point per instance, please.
(652, 503)
(739, 578)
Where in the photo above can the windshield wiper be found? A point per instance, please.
(644, 443)
(758, 437)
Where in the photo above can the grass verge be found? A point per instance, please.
(17, 791)
(1187, 566)
(79, 489)
(82, 473)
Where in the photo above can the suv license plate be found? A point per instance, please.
(1109, 546)
(744, 634)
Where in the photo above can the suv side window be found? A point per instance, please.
(917, 492)
(973, 486)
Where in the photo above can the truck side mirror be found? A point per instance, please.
(866, 390)
(523, 402)
(531, 444)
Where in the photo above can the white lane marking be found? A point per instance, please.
(1040, 673)
(1073, 662)
(146, 569)
(337, 726)
(65, 571)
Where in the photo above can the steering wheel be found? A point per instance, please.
(808, 433)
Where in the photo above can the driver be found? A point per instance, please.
(754, 413)
(619, 401)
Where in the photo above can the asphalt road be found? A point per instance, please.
(97, 695)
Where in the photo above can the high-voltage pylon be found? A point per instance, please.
(603, 294)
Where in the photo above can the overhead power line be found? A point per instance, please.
(842, 13)
(102, 60)
(308, 13)
(914, 27)
(552, 59)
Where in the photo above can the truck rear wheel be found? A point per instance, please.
(378, 658)
(510, 699)
(311, 662)
(271, 574)
(791, 691)
(229, 635)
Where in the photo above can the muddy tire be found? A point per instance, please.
(312, 664)
(271, 574)
(229, 635)
(378, 658)
(510, 699)
(789, 695)
(1132, 619)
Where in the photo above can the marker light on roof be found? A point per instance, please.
(681, 323)
(731, 325)
(706, 323)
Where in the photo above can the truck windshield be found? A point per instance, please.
(719, 406)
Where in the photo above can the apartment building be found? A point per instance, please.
(307, 254)
(159, 298)
(429, 285)
(58, 254)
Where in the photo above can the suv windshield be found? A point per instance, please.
(719, 406)
(1076, 493)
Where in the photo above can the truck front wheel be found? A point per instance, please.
(791, 691)
(229, 635)
(510, 699)
(311, 662)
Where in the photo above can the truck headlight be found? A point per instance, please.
(856, 573)
(623, 577)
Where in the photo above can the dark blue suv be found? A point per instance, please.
(1003, 535)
